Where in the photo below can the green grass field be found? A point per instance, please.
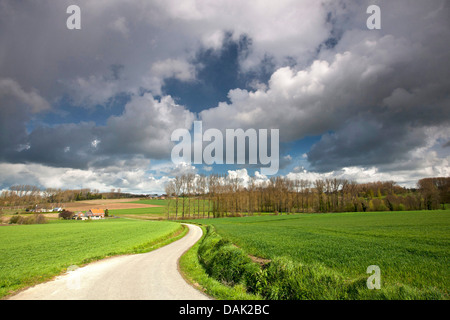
(411, 248)
(33, 253)
(151, 212)
(161, 212)
(158, 202)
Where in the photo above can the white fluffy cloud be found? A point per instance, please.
(134, 180)
(373, 99)
(145, 127)
(321, 97)
(143, 130)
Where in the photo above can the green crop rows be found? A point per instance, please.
(412, 248)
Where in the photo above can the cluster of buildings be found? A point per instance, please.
(39, 209)
(94, 214)
(157, 196)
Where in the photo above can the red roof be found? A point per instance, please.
(97, 211)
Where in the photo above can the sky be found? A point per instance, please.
(96, 107)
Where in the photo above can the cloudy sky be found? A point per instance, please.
(96, 107)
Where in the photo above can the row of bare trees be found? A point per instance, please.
(21, 196)
(28, 196)
(191, 195)
(435, 192)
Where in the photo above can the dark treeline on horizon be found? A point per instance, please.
(30, 196)
(191, 195)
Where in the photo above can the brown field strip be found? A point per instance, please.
(110, 204)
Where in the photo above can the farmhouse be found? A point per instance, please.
(41, 209)
(95, 214)
(79, 216)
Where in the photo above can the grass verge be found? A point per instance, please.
(226, 271)
(193, 271)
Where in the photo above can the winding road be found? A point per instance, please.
(147, 276)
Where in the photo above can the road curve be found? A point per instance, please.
(147, 276)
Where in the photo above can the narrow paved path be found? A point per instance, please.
(147, 276)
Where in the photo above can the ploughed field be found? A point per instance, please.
(112, 204)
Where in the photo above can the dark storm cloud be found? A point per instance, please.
(142, 130)
(44, 65)
(365, 142)
(130, 47)
(375, 96)
(308, 68)
(67, 145)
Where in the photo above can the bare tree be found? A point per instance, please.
(178, 185)
(320, 186)
(170, 192)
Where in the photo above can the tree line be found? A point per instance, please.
(191, 195)
(24, 196)
(30, 195)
